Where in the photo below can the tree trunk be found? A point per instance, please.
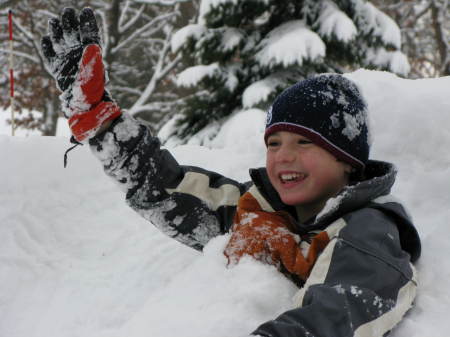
(438, 20)
(51, 117)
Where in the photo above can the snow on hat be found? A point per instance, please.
(329, 110)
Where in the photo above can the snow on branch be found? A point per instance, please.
(335, 23)
(395, 61)
(182, 35)
(290, 43)
(260, 91)
(191, 76)
(231, 37)
(206, 6)
(380, 23)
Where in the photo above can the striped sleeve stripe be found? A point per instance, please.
(320, 270)
(263, 203)
(197, 185)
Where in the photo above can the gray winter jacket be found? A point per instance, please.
(362, 283)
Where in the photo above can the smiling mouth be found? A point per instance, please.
(291, 177)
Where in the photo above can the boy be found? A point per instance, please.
(319, 211)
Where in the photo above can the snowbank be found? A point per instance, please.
(75, 261)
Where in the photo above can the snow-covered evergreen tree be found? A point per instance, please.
(241, 53)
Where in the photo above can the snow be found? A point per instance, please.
(290, 43)
(231, 38)
(182, 35)
(395, 61)
(207, 5)
(380, 23)
(260, 91)
(76, 261)
(193, 75)
(335, 23)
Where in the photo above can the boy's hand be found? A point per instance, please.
(73, 54)
(270, 242)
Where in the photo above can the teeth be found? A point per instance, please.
(290, 176)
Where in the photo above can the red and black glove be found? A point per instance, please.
(73, 54)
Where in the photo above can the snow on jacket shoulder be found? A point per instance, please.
(361, 284)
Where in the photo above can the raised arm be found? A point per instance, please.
(189, 204)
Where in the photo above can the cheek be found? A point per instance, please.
(270, 167)
(331, 176)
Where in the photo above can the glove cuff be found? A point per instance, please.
(85, 125)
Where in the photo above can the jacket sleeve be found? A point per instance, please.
(361, 285)
(189, 204)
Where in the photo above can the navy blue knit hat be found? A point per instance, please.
(329, 110)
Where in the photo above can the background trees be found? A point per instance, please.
(243, 53)
(136, 36)
(225, 55)
(425, 26)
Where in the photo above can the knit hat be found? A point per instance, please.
(330, 111)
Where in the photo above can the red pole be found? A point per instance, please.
(11, 70)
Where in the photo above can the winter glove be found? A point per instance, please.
(269, 239)
(73, 54)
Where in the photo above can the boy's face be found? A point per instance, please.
(303, 174)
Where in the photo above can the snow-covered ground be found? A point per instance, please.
(75, 261)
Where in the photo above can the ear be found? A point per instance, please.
(348, 168)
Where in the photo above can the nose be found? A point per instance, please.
(285, 155)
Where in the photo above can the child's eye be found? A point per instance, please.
(304, 142)
(272, 143)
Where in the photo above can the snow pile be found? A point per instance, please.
(76, 261)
